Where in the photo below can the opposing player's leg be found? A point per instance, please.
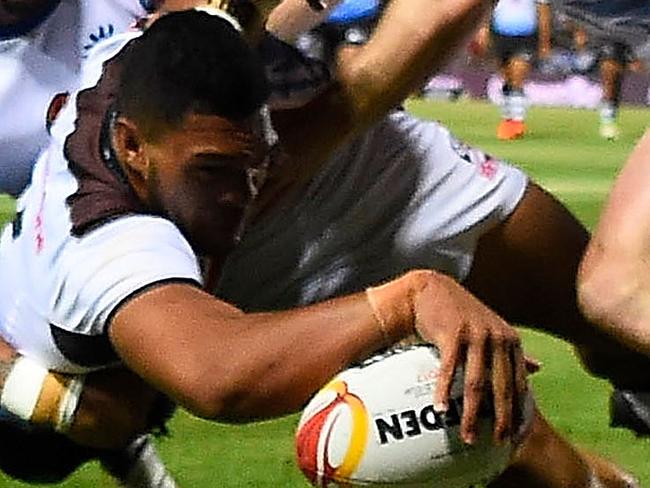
(526, 267)
(546, 460)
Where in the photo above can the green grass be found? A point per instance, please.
(563, 153)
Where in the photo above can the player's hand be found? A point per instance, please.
(468, 334)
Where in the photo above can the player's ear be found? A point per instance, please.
(129, 145)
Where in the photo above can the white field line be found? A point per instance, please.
(577, 187)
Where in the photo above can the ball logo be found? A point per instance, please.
(313, 437)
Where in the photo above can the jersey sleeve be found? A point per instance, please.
(98, 272)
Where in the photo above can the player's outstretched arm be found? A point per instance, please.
(411, 41)
(221, 363)
(614, 277)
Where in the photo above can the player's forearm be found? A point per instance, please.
(411, 41)
(220, 363)
(241, 366)
(106, 412)
(614, 294)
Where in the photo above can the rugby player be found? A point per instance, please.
(461, 151)
(519, 32)
(614, 60)
(620, 30)
(250, 141)
(43, 44)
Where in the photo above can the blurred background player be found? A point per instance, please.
(614, 59)
(620, 32)
(519, 31)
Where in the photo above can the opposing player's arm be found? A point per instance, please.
(412, 40)
(103, 410)
(614, 277)
(221, 363)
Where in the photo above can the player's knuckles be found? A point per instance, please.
(477, 336)
(505, 337)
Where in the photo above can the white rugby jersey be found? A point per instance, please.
(58, 291)
(45, 61)
(515, 17)
(405, 194)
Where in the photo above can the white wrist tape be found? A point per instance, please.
(23, 388)
(40, 397)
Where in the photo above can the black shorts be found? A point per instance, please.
(508, 47)
(615, 51)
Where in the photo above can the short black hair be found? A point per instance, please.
(190, 61)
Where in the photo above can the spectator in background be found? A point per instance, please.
(518, 29)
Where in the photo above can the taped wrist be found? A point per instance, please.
(41, 397)
(392, 306)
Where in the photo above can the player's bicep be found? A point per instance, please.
(168, 334)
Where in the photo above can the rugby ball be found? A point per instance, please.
(374, 425)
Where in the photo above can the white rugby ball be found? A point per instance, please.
(374, 425)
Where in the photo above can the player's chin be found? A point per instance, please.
(220, 235)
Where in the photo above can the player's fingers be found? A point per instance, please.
(503, 384)
(449, 356)
(474, 387)
(521, 385)
(520, 370)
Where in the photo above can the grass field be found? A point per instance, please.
(563, 153)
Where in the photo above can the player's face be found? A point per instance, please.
(200, 176)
